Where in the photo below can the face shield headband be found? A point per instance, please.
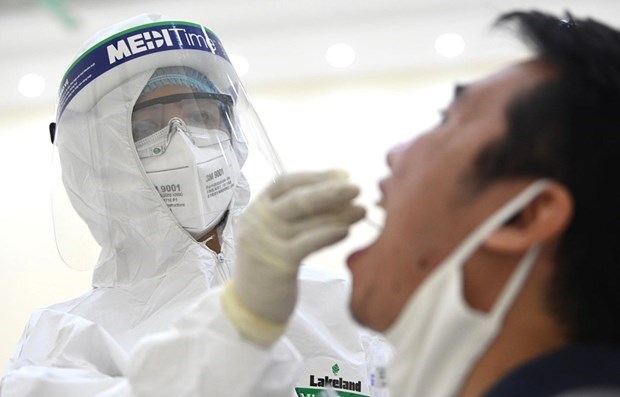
(138, 43)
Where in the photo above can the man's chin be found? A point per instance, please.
(356, 310)
(361, 317)
(355, 256)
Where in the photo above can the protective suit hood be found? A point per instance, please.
(101, 171)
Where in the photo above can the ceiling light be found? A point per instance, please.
(450, 45)
(240, 63)
(31, 85)
(340, 55)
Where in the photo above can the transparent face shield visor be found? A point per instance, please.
(131, 165)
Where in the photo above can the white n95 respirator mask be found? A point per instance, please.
(194, 170)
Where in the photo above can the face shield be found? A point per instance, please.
(154, 135)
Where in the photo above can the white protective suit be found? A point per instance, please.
(153, 324)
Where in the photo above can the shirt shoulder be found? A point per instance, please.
(574, 371)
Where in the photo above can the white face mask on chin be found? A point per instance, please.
(437, 336)
(197, 182)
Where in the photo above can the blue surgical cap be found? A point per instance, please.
(180, 76)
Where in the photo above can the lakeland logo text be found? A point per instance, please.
(154, 39)
(338, 383)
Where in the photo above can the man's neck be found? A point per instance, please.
(529, 330)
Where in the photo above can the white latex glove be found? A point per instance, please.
(299, 214)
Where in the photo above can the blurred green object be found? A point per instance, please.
(59, 9)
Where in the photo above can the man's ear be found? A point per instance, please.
(545, 218)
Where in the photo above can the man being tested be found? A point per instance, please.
(496, 273)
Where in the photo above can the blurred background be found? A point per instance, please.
(336, 83)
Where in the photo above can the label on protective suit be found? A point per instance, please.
(131, 44)
(323, 373)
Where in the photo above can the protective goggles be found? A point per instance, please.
(202, 110)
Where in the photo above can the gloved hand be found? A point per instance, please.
(299, 214)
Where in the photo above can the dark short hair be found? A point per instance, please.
(568, 129)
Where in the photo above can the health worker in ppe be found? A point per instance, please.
(158, 144)
(496, 272)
